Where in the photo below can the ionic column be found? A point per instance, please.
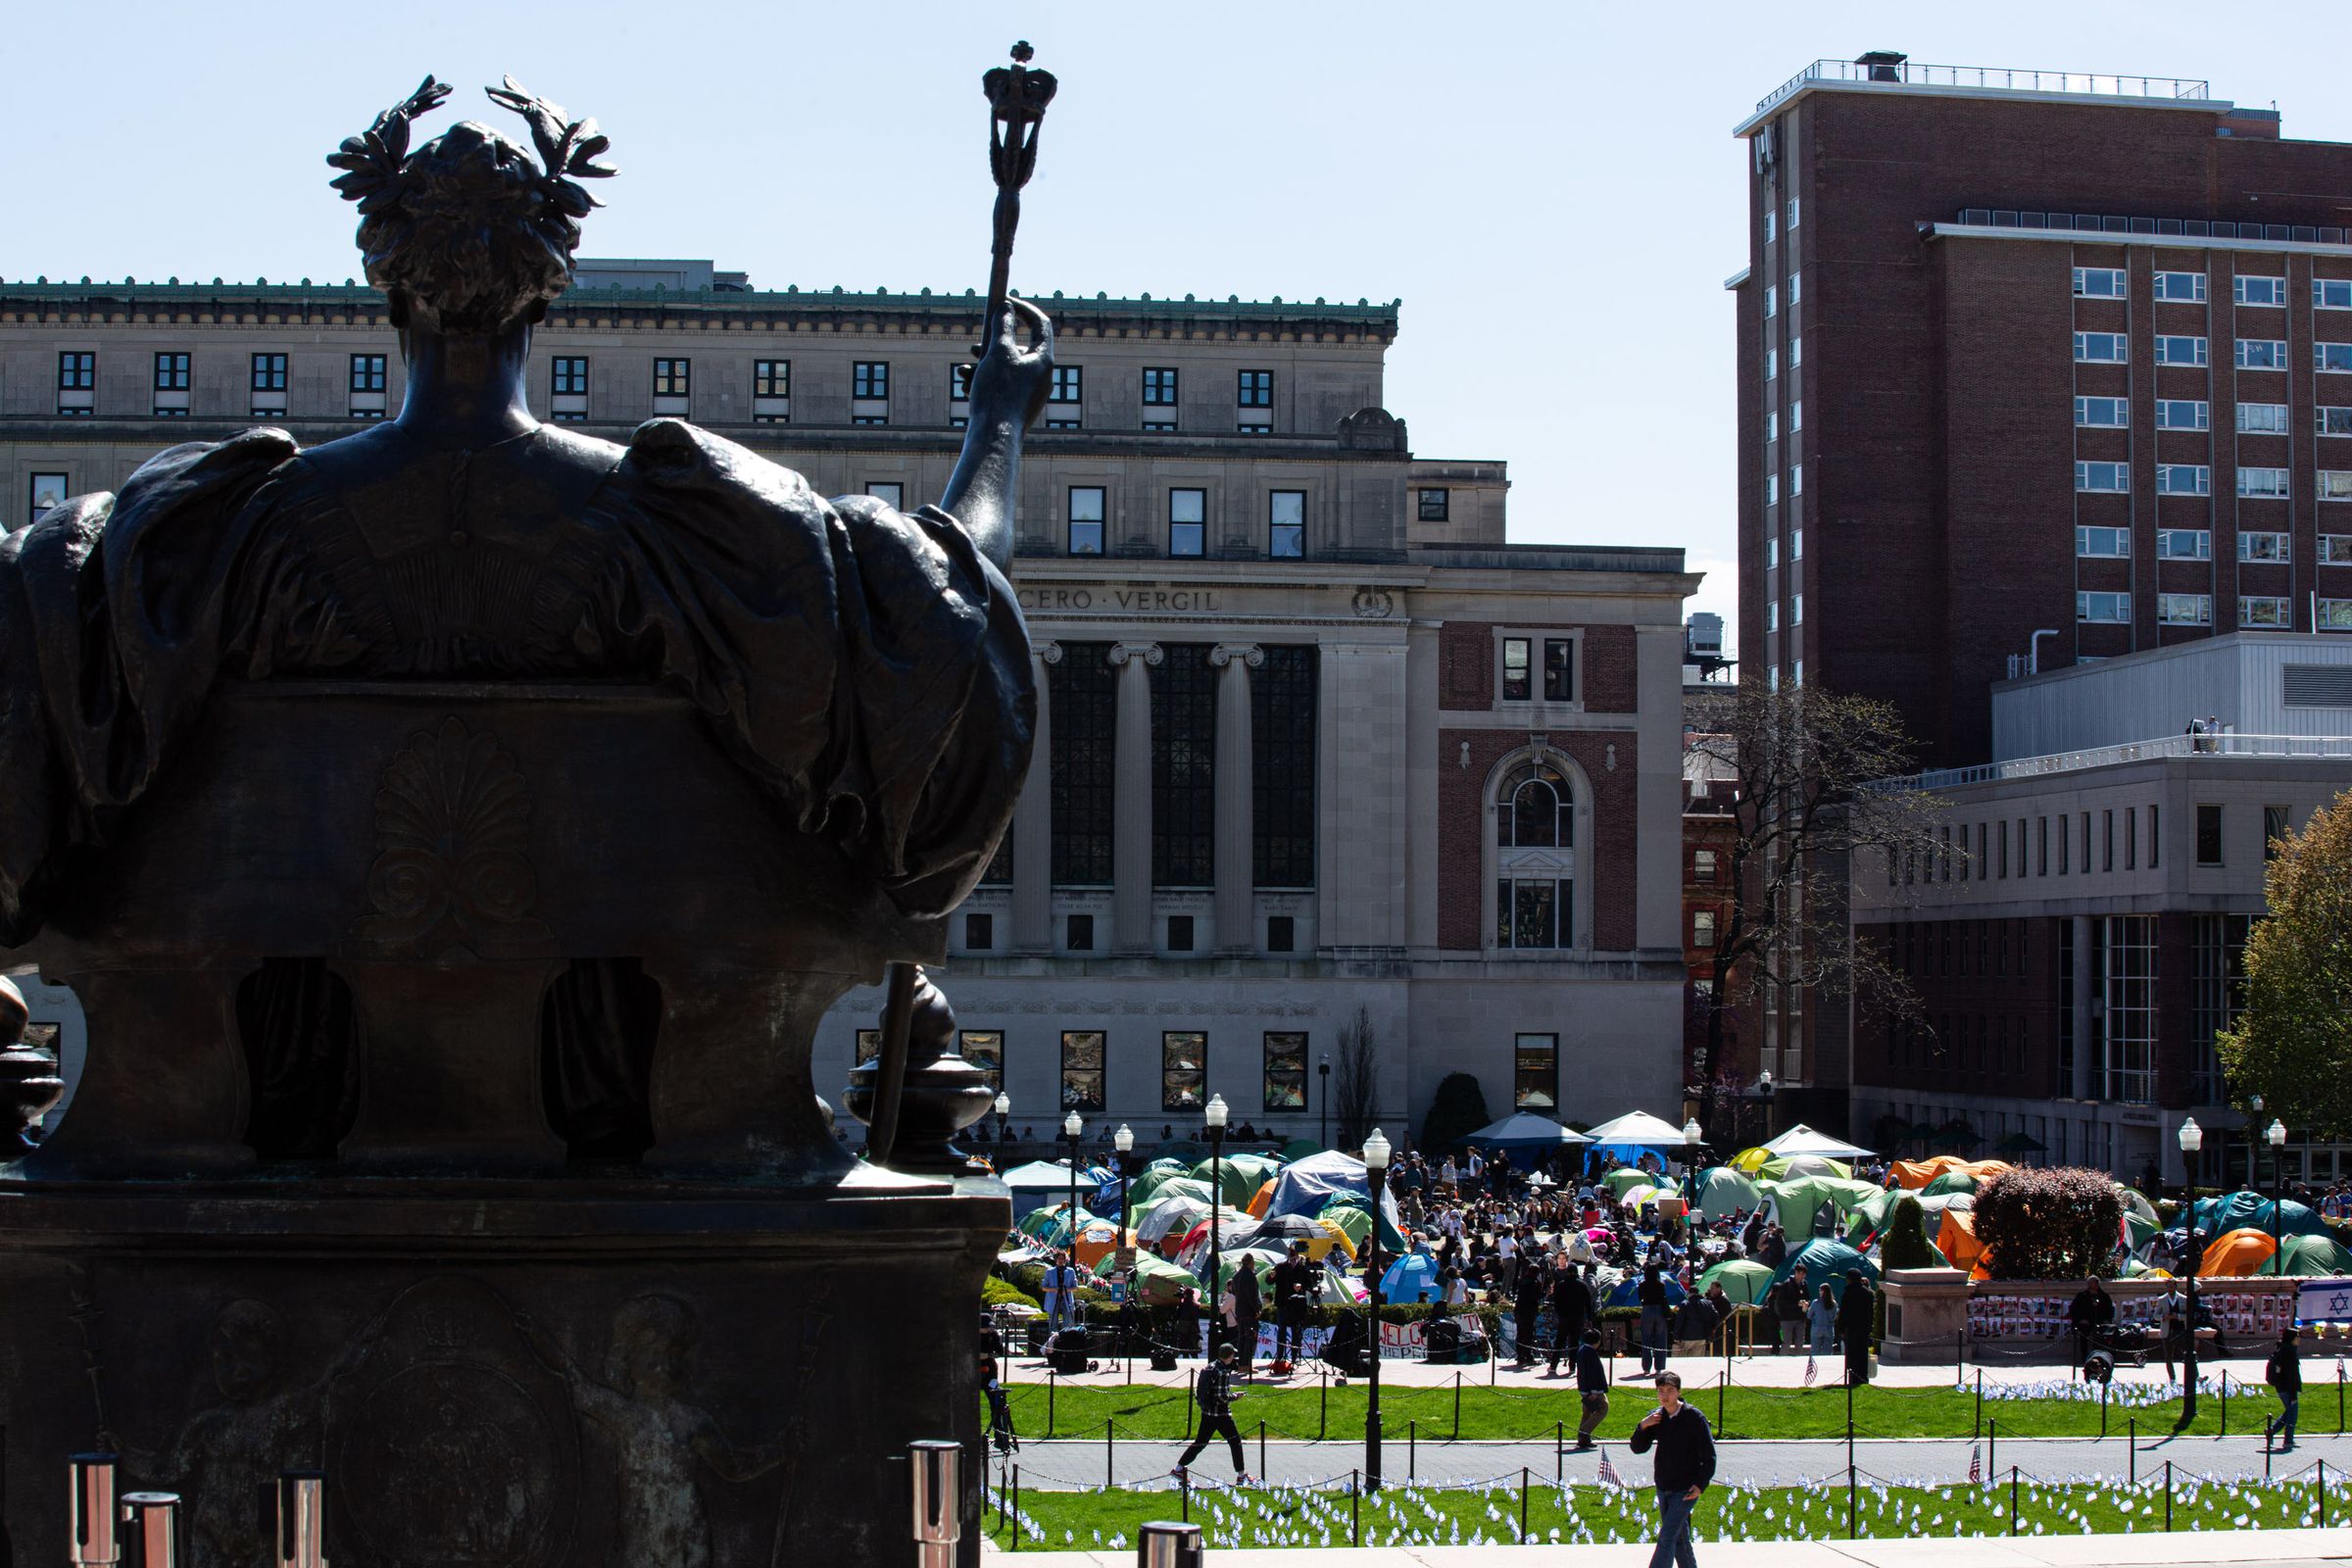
(1131, 837)
(1234, 858)
(1033, 825)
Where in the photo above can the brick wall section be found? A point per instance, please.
(1959, 999)
(1466, 666)
(1462, 823)
(1609, 681)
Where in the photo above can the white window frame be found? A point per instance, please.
(2275, 289)
(1796, 480)
(1796, 351)
(1772, 302)
(1797, 544)
(1772, 489)
(2320, 420)
(1796, 287)
(2088, 406)
(2197, 352)
(2249, 490)
(2086, 600)
(2183, 544)
(2275, 346)
(2274, 413)
(2088, 535)
(2085, 277)
(2121, 344)
(2259, 544)
(2336, 614)
(2084, 471)
(2277, 610)
(2183, 479)
(2331, 293)
(2336, 550)
(2321, 357)
(1772, 614)
(2185, 609)
(2200, 415)
(1772, 426)
(2194, 295)
(1796, 414)
(2332, 484)
(1771, 363)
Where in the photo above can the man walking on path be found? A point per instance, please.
(1592, 1389)
(1685, 1464)
(1214, 1391)
(1858, 1317)
(2285, 1373)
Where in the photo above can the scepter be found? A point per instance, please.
(1017, 97)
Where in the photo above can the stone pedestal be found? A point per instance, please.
(1927, 1312)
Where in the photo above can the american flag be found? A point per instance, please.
(1609, 1472)
(1812, 1369)
(1975, 1466)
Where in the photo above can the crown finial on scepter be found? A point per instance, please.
(1017, 96)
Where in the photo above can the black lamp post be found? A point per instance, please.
(2275, 1135)
(1123, 1142)
(2193, 1139)
(1323, 1095)
(1072, 1126)
(2253, 1141)
(1376, 1186)
(1692, 1136)
(1214, 1113)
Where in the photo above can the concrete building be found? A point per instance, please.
(2033, 368)
(2081, 941)
(1319, 746)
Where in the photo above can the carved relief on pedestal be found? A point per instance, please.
(453, 867)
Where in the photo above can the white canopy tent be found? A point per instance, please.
(1638, 1128)
(1803, 1140)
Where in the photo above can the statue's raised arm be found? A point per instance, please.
(1009, 387)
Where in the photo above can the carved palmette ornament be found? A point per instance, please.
(453, 867)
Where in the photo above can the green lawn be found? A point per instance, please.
(1400, 1516)
(1146, 1412)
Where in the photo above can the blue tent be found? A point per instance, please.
(1412, 1278)
(1627, 1290)
(2251, 1211)
(1825, 1262)
(1521, 1132)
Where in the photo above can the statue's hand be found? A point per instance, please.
(1011, 381)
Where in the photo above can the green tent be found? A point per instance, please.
(2251, 1211)
(2310, 1257)
(1625, 1178)
(1299, 1149)
(1242, 1175)
(1791, 1167)
(1826, 1263)
(1155, 1185)
(1951, 1181)
(1231, 1259)
(1722, 1192)
(1801, 1200)
(1157, 1279)
(1743, 1280)
(1337, 1208)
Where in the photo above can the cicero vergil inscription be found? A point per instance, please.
(1134, 600)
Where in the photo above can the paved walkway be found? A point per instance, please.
(1071, 1465)
(2287, 1549)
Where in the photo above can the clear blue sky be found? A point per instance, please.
(1551, 189)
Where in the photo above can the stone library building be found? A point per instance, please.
(1323, 758)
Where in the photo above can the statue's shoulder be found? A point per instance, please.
(686, 462)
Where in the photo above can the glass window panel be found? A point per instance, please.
(1182, 1070)
(1183, 766)
(1082, 688)
(984, 1049)
(1536, 1073)
(1081, 1069)
(1282, 766)
(1285, 1070)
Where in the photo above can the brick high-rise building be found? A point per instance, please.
(2028, 353)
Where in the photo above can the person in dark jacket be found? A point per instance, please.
(1213, 1393)
(1247, 1307)
(1858, 1317)
(1592, 1390)
(1571, 1309)
(2285, 1373)
(2090, 1314)
(1789, 1301)
(1685, 1464)
(1294, 1304)
(1651, 1294)
(1527, 1305)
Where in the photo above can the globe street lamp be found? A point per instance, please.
(1692, 1136)
(1071, 1127)
(1003, 1117)
(1214, 1115)
(1376, 1186)
(2275, 1135)
(1123, 1141)
(2193, 1139)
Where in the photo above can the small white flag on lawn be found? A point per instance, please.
(1975, 1466)
(1812, 1369)
(1609, 1472)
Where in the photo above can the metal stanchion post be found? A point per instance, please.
(1992, 1446)
(1016, 1532)
(1051, 1381)
(2225, 1401)
(302, 1519)
(2167, 1494)
(1559, 1450)
(91, 1540)
(1168, 1545)
(1980, 1402)
(1355, 1505)
(2132, 1448)
(2323, 1493)
(2013, 1499)
(1261, 1450)
(151, 1530)
(1457, 1407)
(1852, 1507)
(1323, 1403)
(937, 1471)
(1523, 1485)
(2103, 1385)
(1111, 1471)
(1184, 1485)
(1412, 1451)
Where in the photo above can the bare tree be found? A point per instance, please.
(1816, 791)
(1356, 1095)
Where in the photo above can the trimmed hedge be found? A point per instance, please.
(2048, 1224)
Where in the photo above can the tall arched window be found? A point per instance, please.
(1535, 838)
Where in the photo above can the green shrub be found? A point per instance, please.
(2048, 1224)
(996, 1292)
(1906, 1244)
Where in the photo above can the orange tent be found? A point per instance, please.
(1956, 1240)
(1095, 1240)
(1265, 1196)
(2237, 1253)
(1913, 1174)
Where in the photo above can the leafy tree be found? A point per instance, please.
(1814, 785)
(2292, 1044)
(2058, 1224)
(1455, 1111)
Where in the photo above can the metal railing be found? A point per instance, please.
(2273, 747)
(1992, 76)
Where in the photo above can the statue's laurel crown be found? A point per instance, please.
(568, 149)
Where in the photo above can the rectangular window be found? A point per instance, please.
(2130, 839)
(1183, 765)
(2267, 612)
(2041, 845)
(1081, 1069)
(890, 492)
(1282, 769)
(1772, 302)
(1254, 389)
(2255, 290)
(2262, 547)
(1771, 363)
(2103, 542)
(1188, 523)
(1285, 525)
(171, 373)
(1772, 489)
(979, 932)
(1065, 403)
(1282, 933)
(569, 376)
(2185, 609)
(2330, 419)
(1434, 504)
(2103, 477)
(2101, 348)
(1796, 287)
(2183, 544)
(48, 489)
(1159, 387)
(2209, 835)
(2336, 550)
(2155, 841)
(674, 379)
(1772, 614)
(1792, 212)
(1772, 428)
(2262, 354)
(1796, 415)
(2275, 830)
(984, 1049)
(959, 383)
(1284, 1071)
(1518, 685)
(268, 373)
(1086, 520)
(2331, 293)
(368, 372)
(869, 380)
(1796, 610)
(2181, 414)
(1559, 670)
(1078, 933)
(1797, 353)
(1797, 544)
(2336, 484)
(2099, 282)
(2262, 419)
(77, 370)
(1082, 689)
(2183, 479)
(1796, 479)
(1771, 221)
(1702, 867)
(1772, 553)
(2262, 483)
(771, 378)
(2336, 614)
(1702, 929)
(2108, 609)
(2180, 351)
(2180, 288)
(1182, 1070)
(2327, 357)
(1535, 1072)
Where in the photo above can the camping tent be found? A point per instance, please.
(2312, 1257)
(2244, 1210)
(1956, 1239)
(1789, 1167)
(1625, 1178)
(1412, 1278)
(1825, 1262)
(1308, 1187)
(1799, 1200)
(1803, 1140)
(1722, 1192)
(1242, 1175)
(1157, 1279)
(1522, 1132)
(1635, 1129)
(1951, 1181)
(1627, 1290)
(2237, 1253)
(1176, 1212)
(1743, 1280)
(1097, 1239)
(1038, 1182)
(1917, 1173)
